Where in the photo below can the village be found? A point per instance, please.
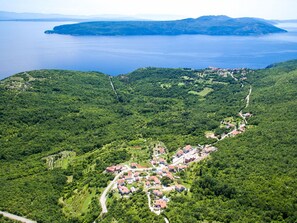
(160, 178)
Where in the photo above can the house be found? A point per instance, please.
(179, 188)
(124, 190)
(162, 161)
(134, 165)
(110, 169)
(235, 132)
(129, 178)
(147, 183)
(161, 150)
(169, 175)
(121, 182)
(118, 168)
(181, 167)
(160, 204)
(133, 189)
(171, 168)
(247, 115)
(154, 162)
(187, 148)
(157, 193)
(209, 149)
(189, 159)
(155, 180)
(179, 153)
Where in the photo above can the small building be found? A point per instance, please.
(155, 180)
(247, 115)
(124, 190)
(235, 132)
(181, 167)
(162, 161)
(179, 153)
(110, 169)
(161, 150)
(147, 183)
(160, 204)
(157, 193)
(179, 188)
(187, 148)
(121, 182)
(189, 159)
(171, 168)
(133, 189)
(134, 165)
(169, 175)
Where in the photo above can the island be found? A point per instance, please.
(205, 25)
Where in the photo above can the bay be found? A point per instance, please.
(24, 47)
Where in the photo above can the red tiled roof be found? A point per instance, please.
(124, 190)
(161, 203)
(188, 147)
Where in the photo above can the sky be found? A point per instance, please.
(268, 9)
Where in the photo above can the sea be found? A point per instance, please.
(25, 47)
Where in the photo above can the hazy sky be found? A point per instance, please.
(269, 9)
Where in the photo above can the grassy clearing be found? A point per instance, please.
(79, 203)
(205, 92)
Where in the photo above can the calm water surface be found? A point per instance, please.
(24, 46)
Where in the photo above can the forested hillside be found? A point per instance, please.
(59, 130)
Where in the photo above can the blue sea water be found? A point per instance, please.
(24, 47)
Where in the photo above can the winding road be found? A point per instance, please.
(110, 185)
(16, 218)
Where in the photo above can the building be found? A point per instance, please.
(189, 159)
(187, 148)
(134, 165)
(124, 190)
(112, 169)
(179, 188)
(160, 204)
(155, 180)
(121, 182)
(157, 193)
(171, 168)
(179, 153)
(162, 161)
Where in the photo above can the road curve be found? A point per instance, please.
(103, 195)
(16, 218)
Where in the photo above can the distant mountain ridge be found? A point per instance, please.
(205, 25)
(14, 16)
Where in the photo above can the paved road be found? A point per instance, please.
(103, 195)
(16, 218)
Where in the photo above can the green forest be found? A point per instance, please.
(60, 129)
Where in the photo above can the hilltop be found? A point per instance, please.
(205, 25)
(65, 135)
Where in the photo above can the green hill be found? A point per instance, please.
(59, 130)
(205, 25)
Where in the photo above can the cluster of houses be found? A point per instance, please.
(114, 169)
(225, 72)
(151, 178)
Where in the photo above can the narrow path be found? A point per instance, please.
(246, 105)
(248, 98)
(113, 88)
(16, 218)
(166, 220)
